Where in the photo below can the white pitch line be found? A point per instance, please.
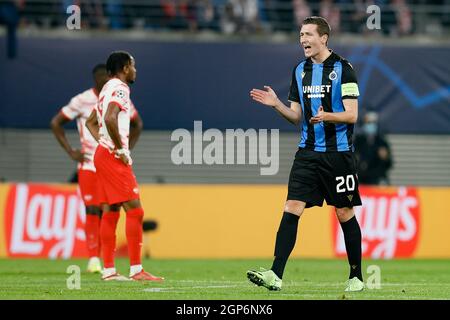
(209, 281)
(306, 283)
(207, 287)
(291, 285)
(189, 288)
(331, 284)
(302, 296)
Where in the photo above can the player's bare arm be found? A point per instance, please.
(136, 126)
(92, 125)
(268, 97)
(112, 125)
(57, 124)
(350, 115)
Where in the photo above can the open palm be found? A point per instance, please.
(267, 97)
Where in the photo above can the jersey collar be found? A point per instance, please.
(328, 60)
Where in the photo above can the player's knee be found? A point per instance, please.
(110, 208)
(294, 207)
(115, 207)
(344, 214)
(94, 210)
(132, 204)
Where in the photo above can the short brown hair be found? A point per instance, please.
(322, 25)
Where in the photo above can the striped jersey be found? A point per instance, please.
(324, 84)
(118, 92)
(79, 108)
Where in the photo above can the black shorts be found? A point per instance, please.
(316, 176)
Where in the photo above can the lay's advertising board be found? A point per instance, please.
(227, 221)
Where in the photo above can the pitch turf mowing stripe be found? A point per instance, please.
(225, 280)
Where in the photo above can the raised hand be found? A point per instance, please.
(267, 97)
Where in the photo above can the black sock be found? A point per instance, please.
(286, 236)
(352, 237)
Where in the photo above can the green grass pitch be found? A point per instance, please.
(226, 280)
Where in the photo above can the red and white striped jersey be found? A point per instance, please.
(79, 108)
(118, 92)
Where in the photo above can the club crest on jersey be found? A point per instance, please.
(303, 74)
(119, 94)
(333, 75)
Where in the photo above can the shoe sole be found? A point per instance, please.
(124, 279)
(354, 290)
(119, 280)
(254, 278)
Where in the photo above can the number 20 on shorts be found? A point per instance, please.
(345, 184)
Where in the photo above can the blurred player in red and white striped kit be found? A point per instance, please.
(79, 108)
(109, 123)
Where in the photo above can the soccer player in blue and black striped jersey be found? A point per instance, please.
(324, 90)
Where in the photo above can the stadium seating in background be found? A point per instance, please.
(400, 17)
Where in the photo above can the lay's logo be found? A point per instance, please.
(44, 221)
(389, 222)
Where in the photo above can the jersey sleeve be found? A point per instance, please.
(349, 84)
(73, 109)
(133, 111)
(293, 91)
(121, 97)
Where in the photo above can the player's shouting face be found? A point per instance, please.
(311, 41)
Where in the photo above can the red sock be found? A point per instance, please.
(99, 240)
(108, 237)
(92, 229)
(134, 234)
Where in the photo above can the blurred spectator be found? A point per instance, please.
(358, 17)
(331, 12)
(372, 152)
(285, 15)
(301, 11)
(169, 8)
(388, 19)
(9, 16)
(178, 14)
(228, 23)
(445, 14)
(398, 17)
(269, 12)
(93, 9)
(246, 14)
(347, 10)
(240, 16)
(199, 14)
(403, 16)
(205, 14)
(187, 14)
(262, 15)
(114, 11)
